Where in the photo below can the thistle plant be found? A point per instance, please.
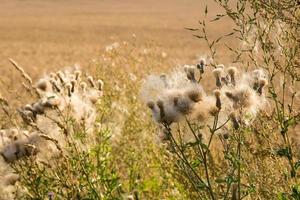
(59, 149)
(194, 122)
(262, 96)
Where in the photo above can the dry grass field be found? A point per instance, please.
(44, 35)
(103, 141)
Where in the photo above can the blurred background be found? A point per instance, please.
(56, 33)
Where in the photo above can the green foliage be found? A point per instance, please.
(75, 174)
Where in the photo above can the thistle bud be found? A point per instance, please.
(190, 72)
(91, 81)
(232, 72)
(262, 84)
(160, 105)
(73, 83)
(218, 99)
(217, 73)
(201, 65)
(42, 85)
(60, 76)
(83, 86)
(69, 87)
(234, 120)
(77, 75)
(150, 105)
(55, 86)
(100, 84)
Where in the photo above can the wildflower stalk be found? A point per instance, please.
(205, 162)
(183, 157)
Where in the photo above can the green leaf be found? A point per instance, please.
(284, 152)
(297, 165)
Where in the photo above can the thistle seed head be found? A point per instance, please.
(217, 73)
(262, 83)
(91, 81)
(151, 105)
(83, 86)
(218, 99)
(77, 75)
(60, 76)
(232, 73)
(190, 72)
(69, 88)
(73, 83)
(234, 120)
(160, 105)
(100, 85)
(42, 85)
(194, 94)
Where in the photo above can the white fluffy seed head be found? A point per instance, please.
(194, 94)
(83, 86)
(91, 81)
(221, 66)
(100, 84)
(217, 72)
(151, 105)
(60, 75)
(217, 93)
(263, 82)
(28, 107)
(77, 74)
(68, 86)
(202, 62)
(232, 71)
(43, 85)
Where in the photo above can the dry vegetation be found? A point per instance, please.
(74, 97)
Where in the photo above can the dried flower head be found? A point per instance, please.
(100, 85)
(190, 72)
(218, 99)
(217, 73)
(232, 73)
(91, 81)
(234, 120)
(43, 85)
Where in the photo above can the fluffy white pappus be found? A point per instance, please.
(168, 112)
(178, 78)
(19, 148)
(83, 111)
(152, 88)
(43, 85)
(253, 78)
(246, 101)
(203, 109)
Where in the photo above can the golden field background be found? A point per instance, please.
(43, 35)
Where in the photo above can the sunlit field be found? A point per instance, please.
(144, 99)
